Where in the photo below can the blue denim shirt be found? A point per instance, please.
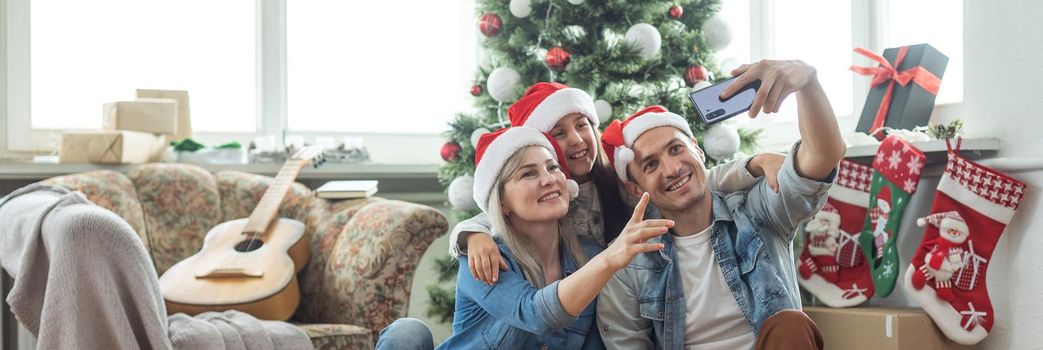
(643, 305)
(512, 314)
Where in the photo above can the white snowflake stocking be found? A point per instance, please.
(896, 172)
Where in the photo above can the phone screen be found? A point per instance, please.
(712, 109)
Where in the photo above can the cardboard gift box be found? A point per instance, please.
(152, 115)
(184, 117)
(110, 147)
(878, 328)
(903, 89)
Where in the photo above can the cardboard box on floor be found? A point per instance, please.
(875, 328)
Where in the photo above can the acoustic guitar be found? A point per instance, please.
(248, 264)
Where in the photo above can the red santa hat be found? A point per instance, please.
(830, 212)
(883, 204)
(545, 103)
(618, 139)
(495, 148)
(951, 218)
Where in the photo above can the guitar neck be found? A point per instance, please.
(268, 208)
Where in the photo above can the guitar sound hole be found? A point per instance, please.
(248, 245)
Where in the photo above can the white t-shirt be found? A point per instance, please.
(713, 319)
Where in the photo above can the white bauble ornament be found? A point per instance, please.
(717, 32)
(699, 85)
(576, 2)
(728, 65)
(646, 38)
(461, 193)
(476, 134)
(521, 8)
(721, 141)
(503, 84)
(604, 110)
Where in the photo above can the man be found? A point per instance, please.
(725, 279)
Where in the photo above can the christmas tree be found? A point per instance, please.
(627, 54)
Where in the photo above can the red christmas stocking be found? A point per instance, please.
(832, 267)
(973, 206)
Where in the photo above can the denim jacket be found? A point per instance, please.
(512, 314)
(643, 305)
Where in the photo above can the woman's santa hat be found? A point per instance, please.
(545, 103)
(618, 139)
(495, 148)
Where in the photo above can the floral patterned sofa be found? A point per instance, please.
(363, 252)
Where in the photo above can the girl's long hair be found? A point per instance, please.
(522, 247)
(614, 211)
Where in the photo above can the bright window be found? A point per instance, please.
(357, 66)
(86, 53)
(829, 51)
(936, 22)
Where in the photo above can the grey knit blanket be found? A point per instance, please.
(83, 280)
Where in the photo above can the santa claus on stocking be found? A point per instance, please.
(946, 255)
(823, 231)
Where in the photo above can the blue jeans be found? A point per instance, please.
(406, 333)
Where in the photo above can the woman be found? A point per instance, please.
(600, 212)
(545, 297)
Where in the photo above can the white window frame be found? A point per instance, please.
(869, 24)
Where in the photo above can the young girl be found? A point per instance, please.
(600, 211)
(545, 297)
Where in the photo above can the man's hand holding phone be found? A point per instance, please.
(778, 80)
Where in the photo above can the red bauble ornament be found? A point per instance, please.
(490, 24)
(694, 74)
(676, 12)
(450, 150)
(557, 59)
(476, 90)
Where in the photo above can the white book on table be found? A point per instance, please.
(347, 189)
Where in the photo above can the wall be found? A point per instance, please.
(1003, 43)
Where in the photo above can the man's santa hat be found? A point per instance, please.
(949, 218)
(883, 205)
(495, 148)
(545, 103)
(619, 137)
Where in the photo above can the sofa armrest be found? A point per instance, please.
(364, 256)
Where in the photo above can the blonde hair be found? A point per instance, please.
(520, 246)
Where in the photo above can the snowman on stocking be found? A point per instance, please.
(823, 231)
(946, 276)
(946, 254)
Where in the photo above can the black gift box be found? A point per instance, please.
(911, 105)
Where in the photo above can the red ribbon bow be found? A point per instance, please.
(887, 73)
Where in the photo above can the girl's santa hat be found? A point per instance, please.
(495, 148)
(618, 139)
(545, 103)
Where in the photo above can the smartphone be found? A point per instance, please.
(711, 108)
